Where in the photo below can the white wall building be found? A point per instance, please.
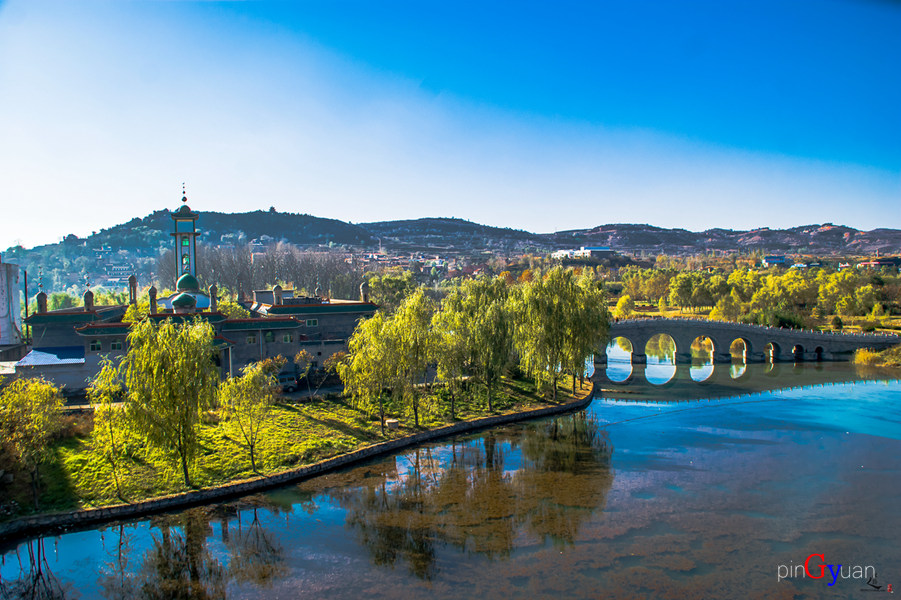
(10, 319)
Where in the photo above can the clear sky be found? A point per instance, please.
(540, 116)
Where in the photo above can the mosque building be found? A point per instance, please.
(68, 344)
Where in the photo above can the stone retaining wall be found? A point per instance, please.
(92, 516)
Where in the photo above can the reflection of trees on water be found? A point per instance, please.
(662, 347)
(39, 582)
(566, 476)
(256, 556)
(179, 565)
(468, 501)
(117, 579)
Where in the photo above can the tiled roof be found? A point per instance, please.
(57, 355)
(318, 309)
(259, 324)
(61, 317)
(103, 329)
(211, 317)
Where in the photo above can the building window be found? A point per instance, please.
(251, 339)
(95, 346)
(287, 338)
(115, 345)
(312, 322)
(270, 337)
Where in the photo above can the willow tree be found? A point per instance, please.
(248, 401)
(561, 320)
(110, 428)
(485, 306)
(413, 342)
(452, 352)
(171, 380)
(30, 417)
(540, 308)
(369, 366)
(588, 325)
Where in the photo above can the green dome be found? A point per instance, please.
(184, 300)
(187, 283)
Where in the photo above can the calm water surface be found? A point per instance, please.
(674, 490)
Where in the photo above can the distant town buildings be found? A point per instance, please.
(878, 263)
(584, 252)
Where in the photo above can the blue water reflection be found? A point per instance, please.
(683, 498)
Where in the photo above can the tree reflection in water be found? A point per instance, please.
(255, 555)
(37, 581)
(179, 565)
(117, 581)
(469, 501)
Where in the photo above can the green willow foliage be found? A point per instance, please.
(248, 400)
(552, 323)
(171, 380)
(391, 353)
(479, 314)
(561, 321)
(108, 437)
(368, 370)
(30, 417)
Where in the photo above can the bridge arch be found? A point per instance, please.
(661, 347)
(741, 349)
(703, 347)
(619, 359)
(761, 344)
(798, 353)
(660, 350)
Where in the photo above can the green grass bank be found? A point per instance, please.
(298, 434)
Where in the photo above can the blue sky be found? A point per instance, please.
(543, 117)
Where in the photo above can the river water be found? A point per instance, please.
(660, 489)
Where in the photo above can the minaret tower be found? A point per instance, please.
(185, 239)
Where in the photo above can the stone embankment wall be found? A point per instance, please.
(89, 517)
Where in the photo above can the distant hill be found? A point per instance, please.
(455, 234)
(440, 234)
(135, 245)
(302, 230)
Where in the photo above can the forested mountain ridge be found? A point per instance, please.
(137, 244)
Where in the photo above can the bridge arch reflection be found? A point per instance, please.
(735, 379)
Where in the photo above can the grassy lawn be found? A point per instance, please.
(295, 435)
(887, 358)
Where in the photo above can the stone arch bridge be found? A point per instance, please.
(761, 343)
